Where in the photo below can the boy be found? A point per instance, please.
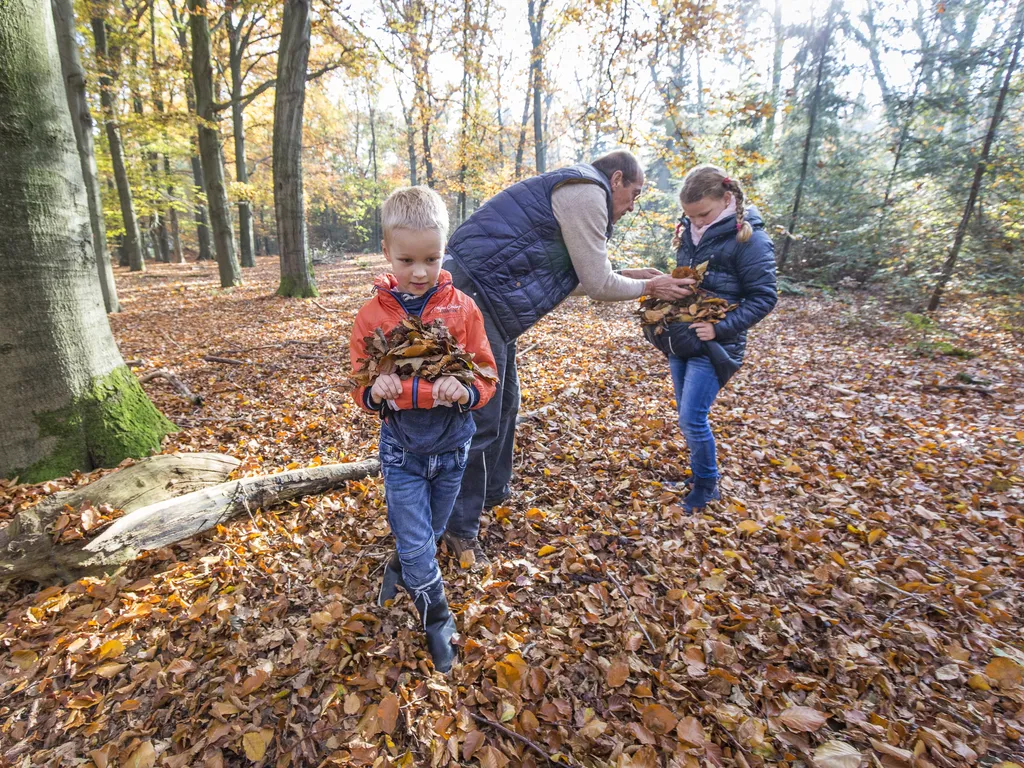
(426, 426)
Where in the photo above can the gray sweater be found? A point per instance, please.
(582, 214)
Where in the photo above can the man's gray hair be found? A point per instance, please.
(414, 208)
(620, 160)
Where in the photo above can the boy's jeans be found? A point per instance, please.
(696, 387)
(420, 490)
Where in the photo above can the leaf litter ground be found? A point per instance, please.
(854, 600)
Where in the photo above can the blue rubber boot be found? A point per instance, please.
(392, 581)
(704, 490)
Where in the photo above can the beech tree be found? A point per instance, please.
(70, 402)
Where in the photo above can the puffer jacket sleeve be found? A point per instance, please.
(475, 341)
(362, 328)
(755, 270)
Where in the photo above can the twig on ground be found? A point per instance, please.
(521, 352)
(176, 382)
(959, 388)
(134, 362)
(843, 390)
(513, 735)
(327, 309)
(225, 360)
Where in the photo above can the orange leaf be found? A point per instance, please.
(387, 713)
(658, 719)
(803, 719)
(474, 740)
(617, 673)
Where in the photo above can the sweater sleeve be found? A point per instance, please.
(581, 211)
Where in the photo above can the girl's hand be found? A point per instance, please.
(387, 387)
(705, 331)
(448, 390)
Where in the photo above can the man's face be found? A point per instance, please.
(624, 195)
(415, 257)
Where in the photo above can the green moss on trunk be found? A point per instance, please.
(297, 288)
(112, 421)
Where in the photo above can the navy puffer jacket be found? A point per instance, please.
(510, 253)
(740, 273)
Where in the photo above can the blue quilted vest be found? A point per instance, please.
(512, 252)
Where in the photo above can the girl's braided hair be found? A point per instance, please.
(712, 181)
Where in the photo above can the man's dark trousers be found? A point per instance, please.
(489, 468)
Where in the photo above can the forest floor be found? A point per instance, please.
(856, 599)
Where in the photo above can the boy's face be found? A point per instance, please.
(415, 257)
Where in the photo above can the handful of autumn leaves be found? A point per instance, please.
(414, 348)
(699, 307)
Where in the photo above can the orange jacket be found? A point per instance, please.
(457, 310)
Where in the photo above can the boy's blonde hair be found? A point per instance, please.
(414, 208)
(712, 181)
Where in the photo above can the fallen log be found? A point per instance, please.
(175, 519)
(26, 545)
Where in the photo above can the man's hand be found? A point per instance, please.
(668, 288)
(705, 331)
(448, 390)
(388, 386)
(640, 274)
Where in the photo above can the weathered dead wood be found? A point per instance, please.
(26, 546)
(176, 382)
(172, 520)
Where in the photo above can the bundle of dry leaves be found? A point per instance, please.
(414, 348)
(699, 307)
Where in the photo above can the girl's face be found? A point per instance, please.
(706, 210)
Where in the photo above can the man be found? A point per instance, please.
(519, 256)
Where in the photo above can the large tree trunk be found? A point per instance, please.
(375, 239)
(201, 218)
(198, 181)
(521, 144)
(979, 169)
(780, 42)
(289, 203)
(536, 10)
(69, 401)
(410, 137)
(177, 254)
(82, 122)
(209, 146)
(811, 119)
(132, 242)
(235, 52)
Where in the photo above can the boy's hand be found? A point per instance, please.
(448, 390)
(388, 386)
(705, 331)
(668, 288)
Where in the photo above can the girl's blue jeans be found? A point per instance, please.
(696, 387)
(420, 490)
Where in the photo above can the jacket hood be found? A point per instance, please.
(388, 282)
(750, 214)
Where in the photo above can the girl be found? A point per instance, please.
(715, 228)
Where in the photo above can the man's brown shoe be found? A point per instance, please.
(468, 551)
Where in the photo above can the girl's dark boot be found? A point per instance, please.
(439, 624)
(704, 490)
(392, 580)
